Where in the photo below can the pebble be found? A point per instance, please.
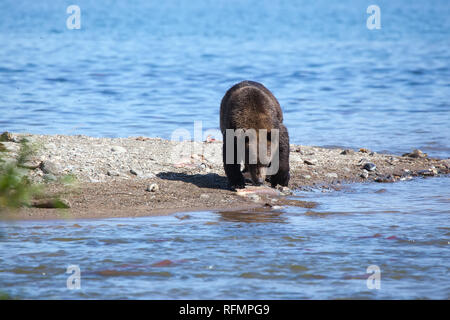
(364, 150)
(364, 174)
(298, 149)
(136, 172)
(284, 190)
(152, 187)
(50, 167)
(306, 176)
(384, 179)
(369, 166)
(332, 175)
(348, 152)
(141, 138)
(428, 173)
(415, 154)
(204, 196)
(118, 149)
(113, 173)
(311, 162)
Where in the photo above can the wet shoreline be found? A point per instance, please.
(141, 176)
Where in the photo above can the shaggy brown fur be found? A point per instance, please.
(250, 105)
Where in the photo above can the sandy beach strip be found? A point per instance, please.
(141, 176)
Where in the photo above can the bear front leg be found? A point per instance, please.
(282, 176)
(233, 171)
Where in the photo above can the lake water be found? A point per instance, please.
(150, 67)
(320, 253)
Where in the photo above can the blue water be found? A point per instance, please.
(149, 67)
(293, 253)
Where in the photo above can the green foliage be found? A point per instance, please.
(5, 296)
(15, 188)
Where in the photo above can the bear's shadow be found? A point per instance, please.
(208, 180)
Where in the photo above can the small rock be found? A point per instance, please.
(113, 173)
(50, 167)
(348, 152)
(136, 172)
(364, 174)
(306, 176)
(385, 179)
(446, 163)
(428, 173)
(204, 196)
(152, 187)
(332, 175)
(364, 150)
(118, 149)
(141, 138)
(369, 166)
(415, 154)
(311, 162)
(31, 165)
(298, 149)
(284, 190)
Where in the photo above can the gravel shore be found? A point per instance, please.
(140, 176)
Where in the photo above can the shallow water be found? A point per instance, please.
(293, 253)
(149, 67)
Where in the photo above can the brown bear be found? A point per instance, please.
(249, 113)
